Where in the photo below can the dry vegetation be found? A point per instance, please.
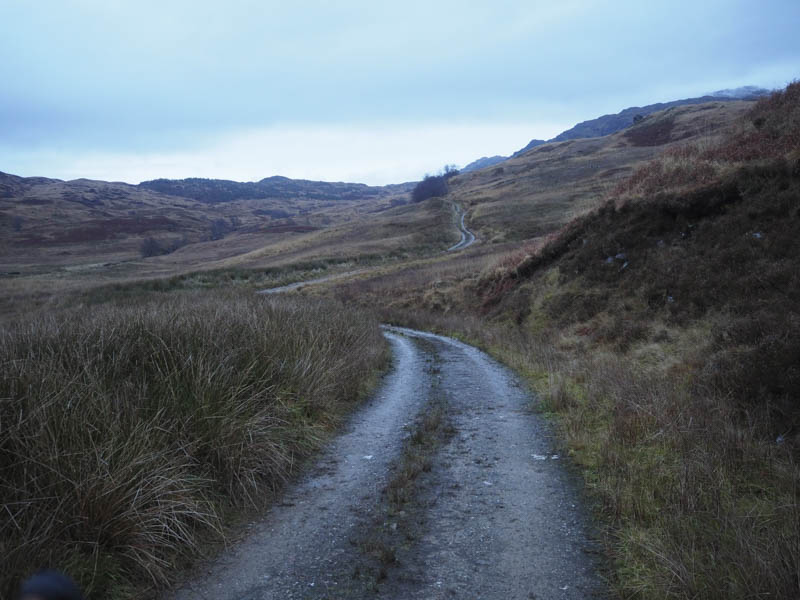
(541, 190)
(385, 237)
(51, 223)
(662, 332)
(645, 282)
(132, 434)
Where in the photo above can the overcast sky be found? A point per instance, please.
(370, 91)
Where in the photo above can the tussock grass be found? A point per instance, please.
(129, 435)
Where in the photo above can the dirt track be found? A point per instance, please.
(300, 284)
(495, 517)
(467, 237)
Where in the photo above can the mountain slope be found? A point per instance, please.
(482, 163)
(608, 124)
(530, 146)
(538, 192)
(219, 190)
(53, 222)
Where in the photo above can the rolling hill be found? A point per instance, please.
(542, 189)
(660, 324)
(47, 222)
(608, 124)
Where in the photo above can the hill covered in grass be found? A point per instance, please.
(220, 190)
(48, 225)
(612, 123)
(704, 230)
(538, 192)
(661, 329)
(682, 292)
(608, 124)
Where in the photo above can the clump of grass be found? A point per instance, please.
(428, 434)
(401, 512)
(129, 435)
(700, 502)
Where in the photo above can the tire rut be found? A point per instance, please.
(503, 520)
(494, 515)
(307, 542)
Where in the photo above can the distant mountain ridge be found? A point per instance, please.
(221, 190)
(608, 124)
(483, 162)
(85, 219)
(612, 123)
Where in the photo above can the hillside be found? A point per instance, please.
(482, 163)
(661, 329)
(61, 238)
(703, 231)
(529, 146)
(219, 190)
(49, 222)
(539, 191)
(608, 124)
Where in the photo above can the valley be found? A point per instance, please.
(573, 375)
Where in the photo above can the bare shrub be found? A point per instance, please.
(150, 247)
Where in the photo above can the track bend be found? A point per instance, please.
(467, 237)
(499, 517)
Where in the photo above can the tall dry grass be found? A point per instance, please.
(130, 434)
(696, 496)
(701, 500)
(672, 378)
(771, 130)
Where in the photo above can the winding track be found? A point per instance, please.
(299, 284)
(467, 237)
(501, 519)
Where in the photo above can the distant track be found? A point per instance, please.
(298, 284)
(467, 237)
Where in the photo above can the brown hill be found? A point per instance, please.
(661, 328)
(48, 222)
(541, 190)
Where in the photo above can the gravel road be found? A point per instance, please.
(501, 518)
(299, 284)
(467, 237)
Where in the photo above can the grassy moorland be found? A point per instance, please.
(541, 190)
(661, 329)
(134, 433)
(49, 222)
(644, 282)
(258, 260)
